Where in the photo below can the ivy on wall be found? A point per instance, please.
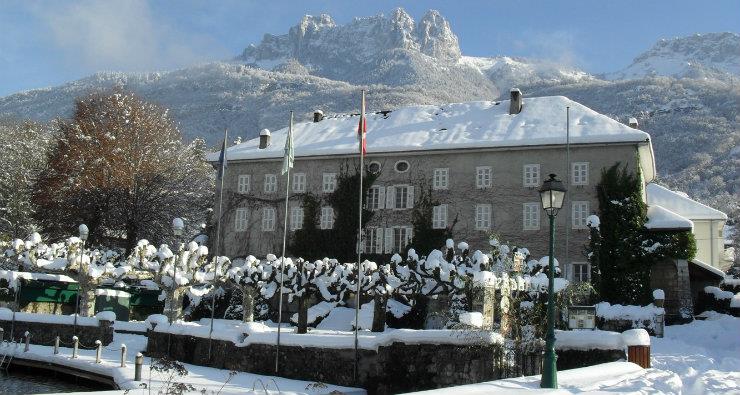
(426, 238)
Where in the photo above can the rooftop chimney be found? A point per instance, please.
(633, 123)
(515, 106)
(318, 115)
(264, 138)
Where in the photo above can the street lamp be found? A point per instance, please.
(177, 228)
(552, 194)
(84, 232)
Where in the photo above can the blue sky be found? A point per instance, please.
(45, 43)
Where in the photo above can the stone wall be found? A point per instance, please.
(45, 333)
(391, 369)
(672, 276)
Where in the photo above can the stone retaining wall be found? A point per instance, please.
(45, 333)
(391, 369)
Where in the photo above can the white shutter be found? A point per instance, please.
(390, 196)
(378, 240)
(410, 196)
(409, 234)
(388, 246)
(381, 198)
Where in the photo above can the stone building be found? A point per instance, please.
(483, 162)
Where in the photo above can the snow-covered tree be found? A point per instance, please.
(23, 146)
(255, 279)
(89, 267)
(121, 167)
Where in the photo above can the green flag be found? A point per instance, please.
(289, 153)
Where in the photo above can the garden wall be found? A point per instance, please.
(44, 328)
(389, 369)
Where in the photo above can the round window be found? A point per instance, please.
(373, 168)
(402, 166)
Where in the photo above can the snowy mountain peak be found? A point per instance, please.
(317, 40)
(696, 56)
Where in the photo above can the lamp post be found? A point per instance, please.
(552, 194)
(177, 228)
(84, 232)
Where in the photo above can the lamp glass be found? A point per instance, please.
(84, 232)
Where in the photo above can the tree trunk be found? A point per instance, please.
(173, 303)
(87, 298)
(303, 313)
(248, 304)
(381, 301)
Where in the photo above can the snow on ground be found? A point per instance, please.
(702, 357)
(200, 377)
(705, 354)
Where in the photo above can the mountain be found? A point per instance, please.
(684, 91)
(697, 56)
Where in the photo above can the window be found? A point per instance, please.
(439, 216)
(580, 272)
(327, 218)
(268, 219)
(270, 183)
(482, 216)
(373, 168)
(399, 197)
(483, 177)
(243, 183)
(373, 243)
(441, 179)
(329, 183)
(397, 238)
(531, 216)
(402, 166)
(240, 221)
(579, 173)
(296, 218)
(299, 182)
(580, 214)
(531, 175)
(375, 198)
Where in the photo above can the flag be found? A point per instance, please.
(362, 128)
(289, 155)
(222, 161)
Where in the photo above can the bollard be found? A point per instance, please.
(28, 342)
(138, 362)
(56, 345)
(123, 355)
(98, 350)
(2, 335)
(75, 346)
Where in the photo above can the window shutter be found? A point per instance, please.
(409, 235)
(362, 241)
(381, 198)
(410, 196)
(388, 246)
(390, 196)
(378, 240)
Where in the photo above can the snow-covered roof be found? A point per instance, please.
(681, 204)
(479, 124)
(708, 268)
(660, 217)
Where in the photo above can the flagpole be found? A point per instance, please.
(567, 178)
(285, 236)
(358, 291)
(222, 172)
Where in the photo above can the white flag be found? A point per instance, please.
(289, 155)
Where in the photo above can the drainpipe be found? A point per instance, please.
(711, 243)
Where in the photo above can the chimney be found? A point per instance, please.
(264, 138)
(515, 107)
(318, 115)
(633, 123)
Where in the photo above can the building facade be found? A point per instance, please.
(484, 183)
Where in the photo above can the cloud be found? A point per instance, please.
(556, 46)
(122, 35)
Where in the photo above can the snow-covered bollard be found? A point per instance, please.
(28, 341)
(98, 350)
(123, 355)
(75, 346)
(638, 346)
(658, 297)
(138, 362)
(56, 345)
